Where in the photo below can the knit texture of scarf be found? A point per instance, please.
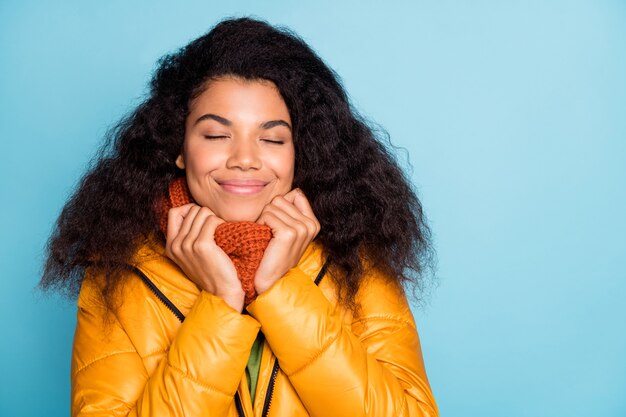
(244, 242)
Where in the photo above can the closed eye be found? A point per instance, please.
(274, 141)
(215, 137)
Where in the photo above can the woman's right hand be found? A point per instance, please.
(191, 244)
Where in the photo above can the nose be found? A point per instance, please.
(244, 154)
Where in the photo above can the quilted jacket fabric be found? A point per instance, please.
(144, 362)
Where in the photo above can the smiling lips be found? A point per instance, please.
(242, 187)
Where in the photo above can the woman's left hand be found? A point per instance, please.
(294, 226)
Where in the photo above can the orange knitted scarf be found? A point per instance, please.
(243, 242)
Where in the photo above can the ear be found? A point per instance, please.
(180, 162)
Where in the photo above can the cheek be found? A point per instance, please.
(284, 167)
(200, 160)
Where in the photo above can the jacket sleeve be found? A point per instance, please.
(372, 366)
(201, 369)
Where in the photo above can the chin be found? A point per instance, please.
(240, 215)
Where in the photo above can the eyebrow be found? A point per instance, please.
(274, 123)
(215, 117)
(265, 125)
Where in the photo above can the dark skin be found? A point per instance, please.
(190, 243)
(239, 165)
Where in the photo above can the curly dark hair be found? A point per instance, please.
(366, 206)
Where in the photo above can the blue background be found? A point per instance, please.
(513, 114)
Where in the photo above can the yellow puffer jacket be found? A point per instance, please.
(144, 362)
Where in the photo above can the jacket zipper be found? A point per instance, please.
(239, 406)
(270, 386)
(270, 389)
(170, 306)
(180, 316)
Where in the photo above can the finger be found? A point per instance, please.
(206, 235)
(282, 230)
(283, 251)
(282, 204)
(291, 195)
(284, 212)
(311, 224)
(199, 220)
(184, 228)
(175, 218)
(302, 204)
(188, 221)
(270, 218)
(298, 199)
(205, 244)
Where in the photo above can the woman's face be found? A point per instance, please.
(238, 151)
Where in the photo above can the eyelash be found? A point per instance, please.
(275, 142)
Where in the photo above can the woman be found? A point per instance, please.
(249, 128)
